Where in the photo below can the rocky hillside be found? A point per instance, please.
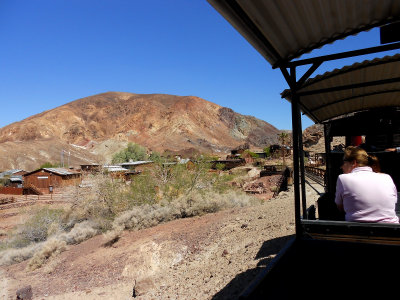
(314, 139)
(91, 129)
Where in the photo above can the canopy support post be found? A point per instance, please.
(291, 80)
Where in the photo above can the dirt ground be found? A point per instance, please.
(214, 256)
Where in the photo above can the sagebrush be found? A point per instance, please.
(108, 205)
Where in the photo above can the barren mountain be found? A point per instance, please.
(91, 129)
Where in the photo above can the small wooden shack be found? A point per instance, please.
(48, 179)
(91, 168)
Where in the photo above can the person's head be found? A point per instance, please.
(358, 157)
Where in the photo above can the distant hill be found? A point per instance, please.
(92, 129)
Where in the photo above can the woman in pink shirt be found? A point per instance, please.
(365, 196)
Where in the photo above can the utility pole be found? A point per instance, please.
(62, 158)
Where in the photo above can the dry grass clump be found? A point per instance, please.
(36, 228)
(43, 251)
(186, 206)
(50, 248)
(79, 233)
(12, 256)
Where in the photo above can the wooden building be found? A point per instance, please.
(91, 168)
(48, 179)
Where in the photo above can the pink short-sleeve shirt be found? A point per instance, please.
(367, 196)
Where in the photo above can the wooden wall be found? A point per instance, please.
(44, 179)
(11, 190)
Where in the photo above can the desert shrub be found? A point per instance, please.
(50, 249)
(142, 190)
(164, 193)
(80, 232)
(44, 251)
(220, 166)
(35, 229)
(100, 202)
(4, 181)
(12, 255)
(49, 165)
(220, 182)
(186, 206)
(133, 152)
(248, 153)
(267, 151)
(155, 156)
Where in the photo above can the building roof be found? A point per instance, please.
(350, 89)
(282, 30)
(136, 163)
(114, 168)
(10, 172)
(16, 178)
(57, 171)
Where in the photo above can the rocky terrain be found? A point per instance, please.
(91, 129)
(314, 139)
(214, 256)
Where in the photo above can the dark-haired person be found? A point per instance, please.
(365, 196)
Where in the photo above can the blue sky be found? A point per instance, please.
(55, 51)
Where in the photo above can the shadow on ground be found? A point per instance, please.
(266, 253)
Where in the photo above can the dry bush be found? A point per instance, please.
(111, 205)
(112, 236)
(36, 228)
(49, 249)
(43, 250)
(79, 233)
(100, 202)
(12, 256)
(186, 206)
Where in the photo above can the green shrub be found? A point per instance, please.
(49, 165)
(247, 153)
(142, 190)
(220, 166)
(267, 151)
(133, 152)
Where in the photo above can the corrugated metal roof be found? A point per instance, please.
(114, 168)
(135, 163)
(10, 172)
(16, 178)
(60, 171)
(322, 106)
(282, 30)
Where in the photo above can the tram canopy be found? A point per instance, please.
(281, 30)
(361, 86)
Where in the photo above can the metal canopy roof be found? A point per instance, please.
(282, 30)
(361, 86)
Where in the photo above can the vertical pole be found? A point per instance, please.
(303, 177)
(295, 133)
(327, 133)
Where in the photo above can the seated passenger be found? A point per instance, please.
(365, 196)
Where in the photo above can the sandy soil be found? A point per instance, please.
(209, 257)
